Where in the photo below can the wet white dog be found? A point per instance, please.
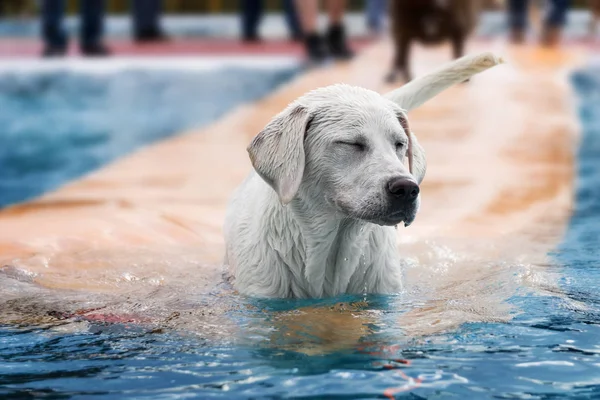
(317, 216)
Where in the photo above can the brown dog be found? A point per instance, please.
(595, 13)
(429, 22)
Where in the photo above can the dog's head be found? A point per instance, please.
(345, 148)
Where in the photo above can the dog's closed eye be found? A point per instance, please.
(357, 146)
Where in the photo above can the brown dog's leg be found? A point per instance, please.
(400, 66)
(595, 21)
(458, 47)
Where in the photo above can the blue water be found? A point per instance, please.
(549, 351)
(60, 125)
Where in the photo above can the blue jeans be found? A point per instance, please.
(555, 17)
(375, 11)
(252, 10)
(91, 28)
(146, 15)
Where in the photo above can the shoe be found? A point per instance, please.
(54, 51)
(253, 38)
(97, 50)
(336, 41)
(517, 36)
(151, 35)
(315, 48)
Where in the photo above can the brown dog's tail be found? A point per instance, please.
(424, 88)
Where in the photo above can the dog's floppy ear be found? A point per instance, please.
(416, 158)
(417, 165)
(277, 152)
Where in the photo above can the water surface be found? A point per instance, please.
(543, 346)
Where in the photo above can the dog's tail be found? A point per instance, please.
(421, 89)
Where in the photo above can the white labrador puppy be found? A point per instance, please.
(316, 218)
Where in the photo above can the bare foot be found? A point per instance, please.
(550, 36)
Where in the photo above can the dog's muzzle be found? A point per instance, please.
(403, 193)
(403, 189)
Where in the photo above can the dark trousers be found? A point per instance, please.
(555, 17)
(146, 15)
(91, 24)
(375, 10)
(252, 11)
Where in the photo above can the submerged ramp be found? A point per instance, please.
(500, 170)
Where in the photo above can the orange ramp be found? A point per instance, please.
(500, 170)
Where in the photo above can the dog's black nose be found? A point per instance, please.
(403, 188)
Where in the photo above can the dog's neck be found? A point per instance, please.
(328, 239)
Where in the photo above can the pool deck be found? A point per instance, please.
(25, 48)
(500, 169)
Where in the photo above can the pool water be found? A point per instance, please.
(551, 351)
(58, 124)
